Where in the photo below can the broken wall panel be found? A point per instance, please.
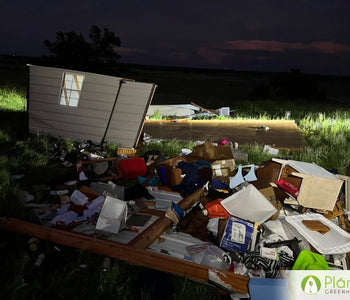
(93, 98)
(130, 112)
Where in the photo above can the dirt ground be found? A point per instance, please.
(278, 134)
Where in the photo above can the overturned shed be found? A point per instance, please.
(81, 105)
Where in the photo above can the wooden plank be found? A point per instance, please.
(120, 251)
(148, 236)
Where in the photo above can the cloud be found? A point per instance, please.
(330, 47)
(259, 45)
(215, 54)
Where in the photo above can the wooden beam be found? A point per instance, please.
(151, 233)
(203, 109)
(65, 92)
(120, 251)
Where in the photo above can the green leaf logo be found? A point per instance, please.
(311, 285)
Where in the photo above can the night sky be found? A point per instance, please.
(252, 35)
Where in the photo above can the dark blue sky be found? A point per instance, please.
(253, 35)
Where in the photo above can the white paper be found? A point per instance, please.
(78, 198)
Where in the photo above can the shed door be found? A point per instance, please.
(129, 113)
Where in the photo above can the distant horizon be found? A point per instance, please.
(199, 68)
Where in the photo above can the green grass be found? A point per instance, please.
(157, 116)
(327, 132)
(11, 99)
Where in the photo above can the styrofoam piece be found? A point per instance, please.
(110, 188)
(249, 204)
(113, 215)
(335, 241)
(163, 199)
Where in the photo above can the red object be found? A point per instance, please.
(132, 168)
(216, 210)
(288, 187)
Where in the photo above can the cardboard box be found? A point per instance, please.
(223, 169)
(318, 188)
(209, 152)
(238, 235)
(274, 195)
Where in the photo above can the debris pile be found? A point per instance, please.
(250, 220)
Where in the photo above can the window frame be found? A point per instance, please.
(70, 91)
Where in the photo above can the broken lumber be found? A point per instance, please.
(149, 235)
(138, 257)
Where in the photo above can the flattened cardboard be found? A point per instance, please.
(223, 169)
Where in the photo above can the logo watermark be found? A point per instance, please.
(311, 285)
(319, 285)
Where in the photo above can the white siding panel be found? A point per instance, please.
(49, 72)
(89, 120)
(83, 120)
(43, 108)
(64, 129)
(45, 90)
(51, 101)
(77, 136)
(130, 110)
(95, 96)
(45, 71)
(88, 87)
(45, 81)
(96, 88)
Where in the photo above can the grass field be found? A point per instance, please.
(77, 274)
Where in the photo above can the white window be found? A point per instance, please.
(71, 88)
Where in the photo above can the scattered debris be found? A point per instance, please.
(201, 208)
